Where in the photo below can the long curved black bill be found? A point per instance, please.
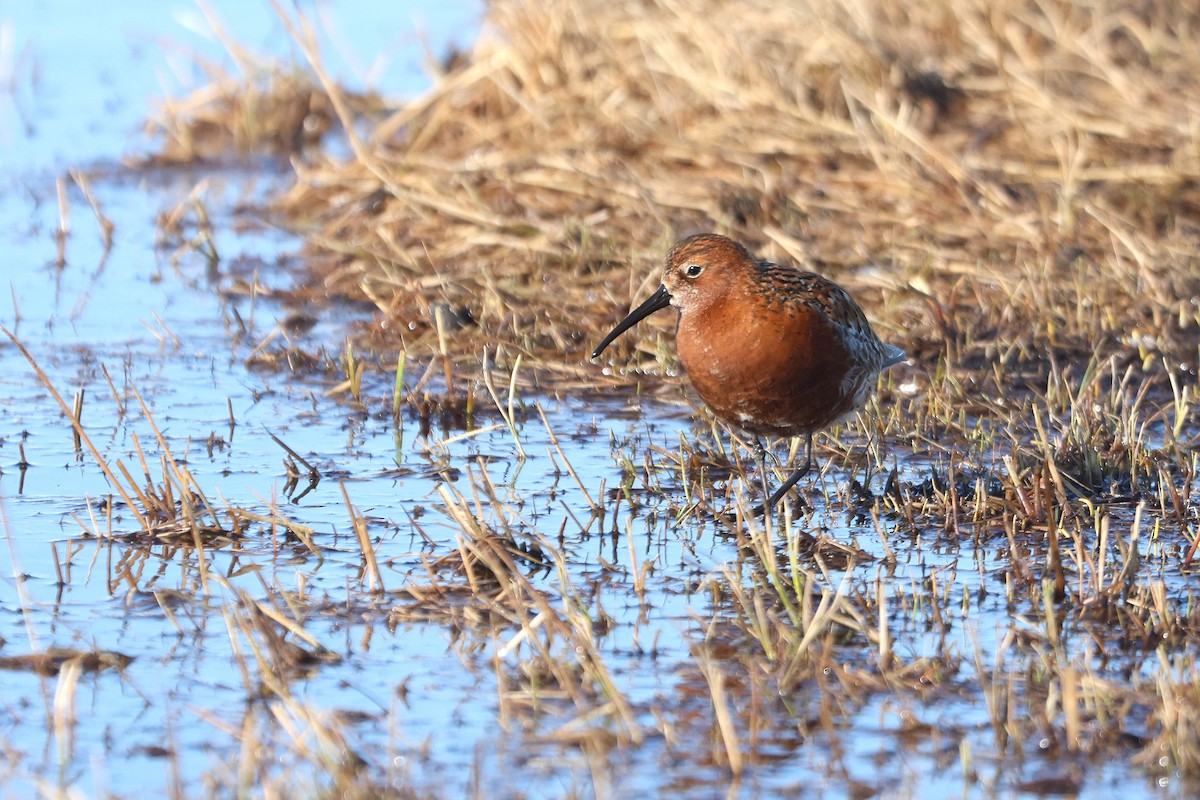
(660, 299)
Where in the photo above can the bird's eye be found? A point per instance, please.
(693, 270)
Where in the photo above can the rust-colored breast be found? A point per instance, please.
(781, 369)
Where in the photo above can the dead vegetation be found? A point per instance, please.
(1022, 176)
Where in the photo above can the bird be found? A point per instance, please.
(770, 348)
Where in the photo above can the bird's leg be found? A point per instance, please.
(760, 450)
(795, 476)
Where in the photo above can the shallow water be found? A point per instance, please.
(418, 700)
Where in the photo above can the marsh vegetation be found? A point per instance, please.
(989, 588)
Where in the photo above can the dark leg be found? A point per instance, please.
(795, 476)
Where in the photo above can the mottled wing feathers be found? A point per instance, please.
(788, 287)
(793, 288)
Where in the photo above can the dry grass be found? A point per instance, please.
(1024, 177)
(165, 501)
(1023, 174)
